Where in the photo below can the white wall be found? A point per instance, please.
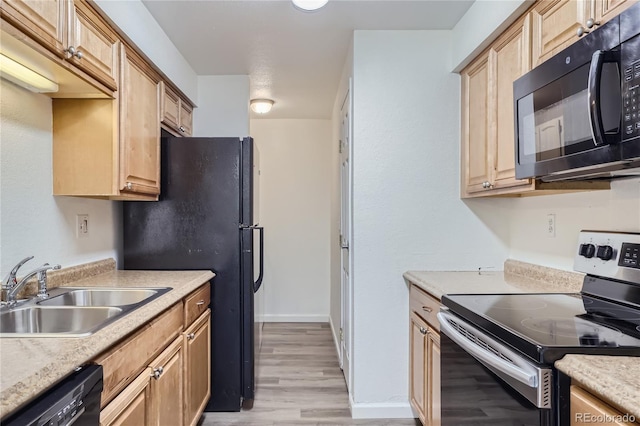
(223, 108)
(132, 17)
(32, 221)
(615, 210)
(407, 210)
(295, 188)
(482, 23)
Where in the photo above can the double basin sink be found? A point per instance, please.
(74, 311)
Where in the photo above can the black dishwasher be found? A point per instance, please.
(73, 401)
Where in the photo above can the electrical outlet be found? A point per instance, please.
(551, 225)
(82, 225)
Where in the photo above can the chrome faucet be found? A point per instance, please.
(41, 272)
(10, 281)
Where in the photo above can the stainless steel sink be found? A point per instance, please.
(38, 321)
(73, 311)
(100, 297)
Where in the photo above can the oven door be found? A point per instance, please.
(483, 382)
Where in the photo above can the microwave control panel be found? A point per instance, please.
(631, 101)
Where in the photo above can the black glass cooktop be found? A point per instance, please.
(549, 325)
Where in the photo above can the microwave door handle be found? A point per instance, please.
(593, 94)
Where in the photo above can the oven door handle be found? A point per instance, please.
(520, 370)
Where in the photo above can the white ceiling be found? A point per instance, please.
(293, 57)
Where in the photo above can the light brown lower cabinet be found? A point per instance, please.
(173, 387)
(586, 408)
(197, 368)
(424, 353)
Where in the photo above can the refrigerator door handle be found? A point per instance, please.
(258, 283)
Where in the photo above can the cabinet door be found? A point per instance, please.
(418, 360)
(509, 59)
(585, 408)
(132, 406)
(170, 109)
(167, 384)
(96, 44)
(475, 125)
(555, 23)
(139, 126)
(607, 9)
(186, 119)
(44, 20)
(197, 389)
(433, 377)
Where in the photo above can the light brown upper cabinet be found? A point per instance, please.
(92, 44)
(556, 22)
(139, 126)
(110, 148)
(488, 134)
(488, 160)
(43, 20)
(72, 30)
(176, 113)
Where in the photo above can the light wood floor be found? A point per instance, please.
(299, 382)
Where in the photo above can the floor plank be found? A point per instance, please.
(299, 382)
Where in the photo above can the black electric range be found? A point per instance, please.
(509, 342)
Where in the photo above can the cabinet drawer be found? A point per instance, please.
(196, 303)
(425, 306)
(122, 363)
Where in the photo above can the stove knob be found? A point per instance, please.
(587, 250)
(605, 252)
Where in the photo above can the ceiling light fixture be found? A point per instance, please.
(261, 106)
(25, 77)
(309, 5)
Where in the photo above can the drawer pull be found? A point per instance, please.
(200, 303)
(427, 309)
(191, 336)
(423, 330)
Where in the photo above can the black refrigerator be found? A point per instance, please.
(205, 219)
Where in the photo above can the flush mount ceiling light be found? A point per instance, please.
(261, 106)
(309, 4)
(25, 77)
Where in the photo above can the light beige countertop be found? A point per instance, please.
(518, 277)
(28, 366)
(614, 379)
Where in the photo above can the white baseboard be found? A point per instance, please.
(294, 318)
(381, 410)
(336, 342)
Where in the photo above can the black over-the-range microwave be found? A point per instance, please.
(577, 115)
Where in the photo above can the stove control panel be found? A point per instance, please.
(609, 254)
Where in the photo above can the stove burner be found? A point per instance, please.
(562, 327)
(513, 304)
(616, 314)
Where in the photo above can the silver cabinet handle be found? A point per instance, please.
(70, 50)
(129, 185)
(592, 22)
(427, 309)
(182, 129)
(78, 54)
(423, 330)
(191, 336)
(200, 303)
(157, 372)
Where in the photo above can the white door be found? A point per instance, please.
(345, 238)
